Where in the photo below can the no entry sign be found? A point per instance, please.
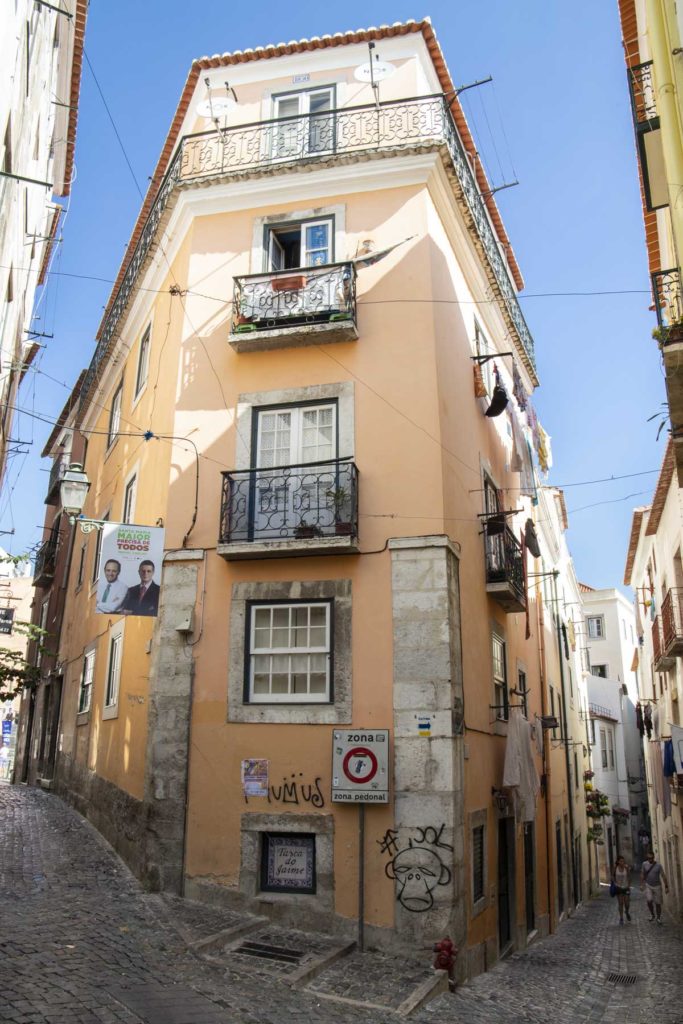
(360, 766)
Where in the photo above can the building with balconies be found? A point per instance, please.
(41, 52)
(314, 372)
(654, 568)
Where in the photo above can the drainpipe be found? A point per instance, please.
(567, 761)
(547, 774)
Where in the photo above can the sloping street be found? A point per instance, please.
(82, 943)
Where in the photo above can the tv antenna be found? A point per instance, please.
(215, 107)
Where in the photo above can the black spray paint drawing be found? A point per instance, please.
(417, 868)
(293, 791)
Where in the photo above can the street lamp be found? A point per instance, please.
(73, 491)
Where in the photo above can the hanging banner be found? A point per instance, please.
(130, 569)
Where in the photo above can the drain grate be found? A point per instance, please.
(267, 952)
(622, 979)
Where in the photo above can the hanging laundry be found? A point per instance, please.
(564, 640)
(479, 385)
(666, 788)
(527, 478)
(669, 767)
(639, 719)
(518, 388)
(639, 622)
(647, 720)
(545, 459)
(519, 773)
(531, 539)
(572, 634)
(677, 744)
(518, 444)
(655, 723)
(499, 399)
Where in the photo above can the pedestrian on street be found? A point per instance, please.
(651, 878)
(621, 878)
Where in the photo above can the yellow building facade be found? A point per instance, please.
(292, 378)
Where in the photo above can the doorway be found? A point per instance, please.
(506, 863)
(529, 877)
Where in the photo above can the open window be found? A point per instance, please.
(305, 244)
(304, 123)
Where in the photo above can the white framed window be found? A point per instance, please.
(596, 627)
(113, 677)
(500, 687)
(288, 436)
(290, 652)
(87, 678)
(143, 361)
(308, 128)
(129, 496)
(603, 747)
(115, 416)
(308, 243)
(610, 747)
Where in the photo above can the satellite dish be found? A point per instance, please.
(379, 71)
(214, 108)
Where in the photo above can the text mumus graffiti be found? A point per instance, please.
(417, 868)
(295, 791)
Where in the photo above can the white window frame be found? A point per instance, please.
(302, 225)
(43, 625)
(610, 748)
(97, 560)
(115, 415)
(600, 674)
(112, 679)
(596, 627)
(500, 682)
(142, 369)
(292, 652)
(603, 747)
(130, 494)
(87, 682)
(303, 98)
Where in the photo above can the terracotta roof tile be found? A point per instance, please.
(636, 525)
(75, 88)
(663, 483)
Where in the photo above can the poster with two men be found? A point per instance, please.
(130, 569)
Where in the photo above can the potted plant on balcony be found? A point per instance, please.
(340, 499)
(669, 335)
(304, 531)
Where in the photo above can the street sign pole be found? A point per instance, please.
(361, 876)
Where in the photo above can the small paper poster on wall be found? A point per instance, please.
(130, 569)
(255, 776)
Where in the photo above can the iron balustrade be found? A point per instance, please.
(657, 644)
(504, 561)
(288, 298)
(423, 122)
(57, 471)
(46, 560)
(672, 619)
(290, 502)
(643, 97)
(666, 288)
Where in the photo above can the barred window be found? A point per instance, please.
(477, 863)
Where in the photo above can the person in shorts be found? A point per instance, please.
(621, 878)
(651, 877)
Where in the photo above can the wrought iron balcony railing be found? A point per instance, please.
(659, 656)
(290, 502)
(289, 298)
(46, 559)
(643, 98)
(57, 471)
(424, 122)
(668, 296)
(504, 562)
(672, 621)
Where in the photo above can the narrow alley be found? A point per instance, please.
(82, 943)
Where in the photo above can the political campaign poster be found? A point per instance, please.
(130, 569)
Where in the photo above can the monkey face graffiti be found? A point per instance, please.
(417, 871)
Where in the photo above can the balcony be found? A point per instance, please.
(307, 509)
(661, 660)
(505, 570)
(286, 308)
(46, 559)
(672, 622)
(57, 471)
(347, 135)
(648, 135)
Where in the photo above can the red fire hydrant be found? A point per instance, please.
(446, 953)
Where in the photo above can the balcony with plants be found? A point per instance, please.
(298, 306)
(306, 509)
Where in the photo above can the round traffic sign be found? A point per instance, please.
(360, 764)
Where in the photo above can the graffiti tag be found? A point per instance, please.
(295, 791)
(417, 868)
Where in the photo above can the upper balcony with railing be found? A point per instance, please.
(57, 471)
(672, 622)
(668, 296)
(504, 568)
(340, 136)
(46, 561)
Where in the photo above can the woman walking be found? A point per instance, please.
(621, 877)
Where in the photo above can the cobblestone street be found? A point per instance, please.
(81, 943)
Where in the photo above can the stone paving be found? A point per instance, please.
(81, 943)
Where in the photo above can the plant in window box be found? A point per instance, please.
(340, 500)
(669, 335)
(306, 530)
